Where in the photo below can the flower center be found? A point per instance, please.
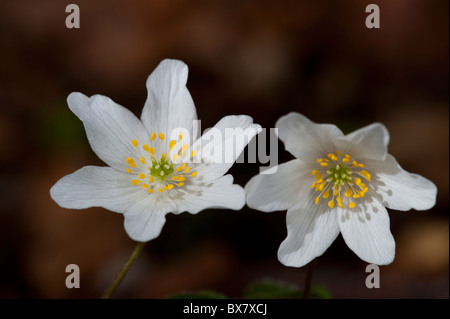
(338, 176)
(155, 170)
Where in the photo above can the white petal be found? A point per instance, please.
(169, 104)
(365, 229)
(110, 127)
(303, 137)
(221, 193)
(401, 190)
(144, 219)
(221, 145)
(278, 191)
(93, 186)
(311, 230)
(369, 142)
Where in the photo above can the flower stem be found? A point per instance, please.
(137, 250)
(309, 277)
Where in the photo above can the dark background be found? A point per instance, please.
(261, 58)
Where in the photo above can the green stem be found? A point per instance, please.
(309, 277)
(137, 250)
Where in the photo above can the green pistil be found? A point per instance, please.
(162, 169)
(339, 174)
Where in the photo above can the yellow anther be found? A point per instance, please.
(340, 205)
(146, 148)
(180, 136)
(321, 186)
(361, 193)
(360, 165)
(152, 180)
(172, 144)
(150, 190)
(317, 187)
(174, 158)
(144, 186)
(336, 191)
(129, 170)
(141, 176)
(193, 153)
(319, 160)
(152, 151)
(326, 194)
(346, 159)
(313, 184)
(338, 153)
(355, 164)
(317, 200)
(314, 172)
(130, 160)
(165, 187)
(135, 143)
(358, 181)
(323, 164)
(194, 174)
(187, 169)
(331, 204)
(348, 193)
(356, 196)
(319, 177)
(326, 160)
(142, 160)
(333, 157)
(180, 184)
(160, 190)
(170, 186)
(339, 199)
(153, 136)
(161, 136)
(181, 167)
(184, 148)
(365, 189)
(135, 182)
(352, 205)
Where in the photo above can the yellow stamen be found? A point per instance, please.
(170, 186)
(314, 172)
(135, 143)
(160, 190)
(129, 170)
(153, 136)
(193, 153)
(187, 169)
(181, 167)
(145, 186)
(165, 187)
(326, 194)
(352, 205)
(338, 153)
(135, 182)
(317, 200)
(172, 144)
(348, 193)
(331, 204)
(141, 176)
(319, 177)
(152, 180)
(142, 160)
(150, 190)
(152, 151)
(175, 156)
(323, 164)
(180, 184)
(161, 136)
(194, 174)
(146, 148)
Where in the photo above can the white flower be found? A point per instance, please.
(337, 183)
(150, 174)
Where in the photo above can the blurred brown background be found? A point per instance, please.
(261, 58)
